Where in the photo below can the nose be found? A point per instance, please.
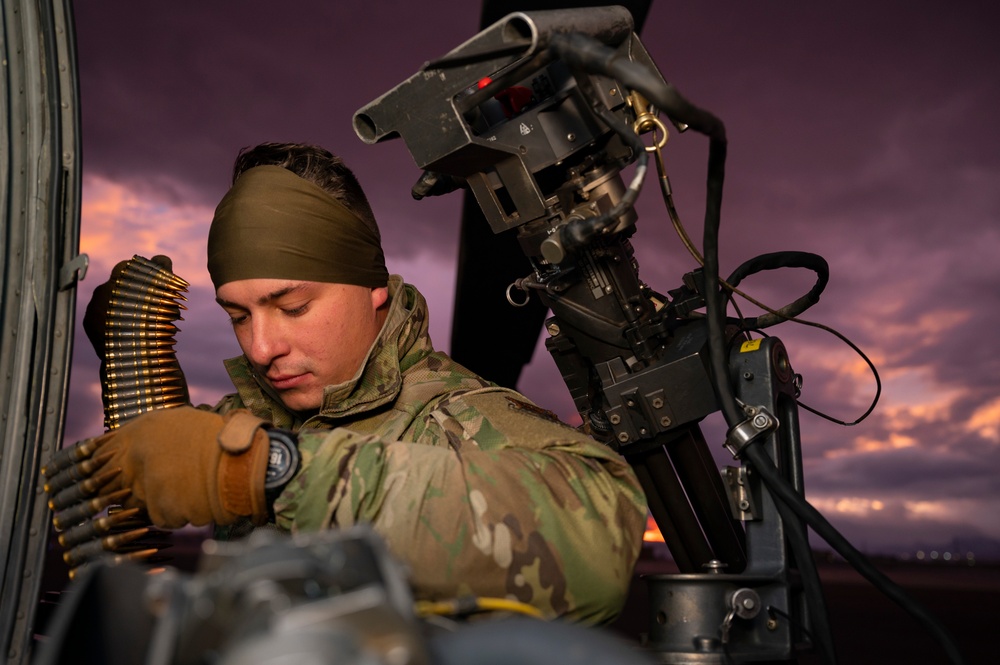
(267, 342)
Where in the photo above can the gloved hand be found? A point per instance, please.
(181, 465)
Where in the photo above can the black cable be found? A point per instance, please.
(798, 541)
(868, 361)
(775, 261)
(854, 347)
(785, 493)
(714, 307)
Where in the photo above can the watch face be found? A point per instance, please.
(283, 460)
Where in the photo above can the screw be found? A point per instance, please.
(657, 403)
(623, 437)
(665, 421)
(615, 418)
(714, 566)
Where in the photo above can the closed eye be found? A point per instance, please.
(295, 311)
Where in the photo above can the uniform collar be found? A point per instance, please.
(402, 341)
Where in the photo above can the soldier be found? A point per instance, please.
(344, 413)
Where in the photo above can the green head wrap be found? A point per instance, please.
(274, 224)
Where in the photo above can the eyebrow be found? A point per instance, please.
(265, 299)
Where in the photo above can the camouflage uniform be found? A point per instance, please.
(499, 499)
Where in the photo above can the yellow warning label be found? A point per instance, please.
(751, 345)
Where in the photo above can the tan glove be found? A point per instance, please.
(181, 465)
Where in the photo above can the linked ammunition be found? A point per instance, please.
(124, 344)
(136, 361)
(76, 473)
(141, 352)
(135, 383)
(142, 263)
(70, 456)
(140, 334)
(146, 302)
(94, 548)
(124, 375)
(87, 509)
(136, 272)
(118, 314)
(140, 393)
(161, 279)
(152, 281)
(142, 555)
(130, 297)
(82, 490)
(121, 415)
(147, 293)
(149, 325)
(98, 527)
(151, 401)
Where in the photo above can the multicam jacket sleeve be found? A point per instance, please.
(490, 500)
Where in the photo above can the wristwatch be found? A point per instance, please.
(282, 462)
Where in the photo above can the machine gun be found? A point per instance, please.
(538, 116)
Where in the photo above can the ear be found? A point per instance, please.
(380, 295)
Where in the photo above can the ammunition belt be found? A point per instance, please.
(140, 371)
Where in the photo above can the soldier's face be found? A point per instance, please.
(303, 336)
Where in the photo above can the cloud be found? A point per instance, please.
(119, 221)
(904, 527)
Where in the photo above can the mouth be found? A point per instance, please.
(287, 381)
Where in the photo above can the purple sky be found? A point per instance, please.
(858, 131)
